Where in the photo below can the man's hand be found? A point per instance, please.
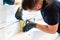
(28, 26)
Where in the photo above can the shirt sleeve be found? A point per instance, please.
(10, 2)
(52, 13)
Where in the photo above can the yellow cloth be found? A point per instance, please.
(21, 22)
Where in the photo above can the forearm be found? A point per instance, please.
(42, 27)
(46, 28)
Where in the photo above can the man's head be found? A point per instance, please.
(32, 4)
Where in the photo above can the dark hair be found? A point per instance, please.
(29, 4)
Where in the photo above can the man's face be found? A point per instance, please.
(38, 6)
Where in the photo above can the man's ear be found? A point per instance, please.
(38, 6)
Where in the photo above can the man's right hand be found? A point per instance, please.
(29, 26)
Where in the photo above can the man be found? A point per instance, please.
(51, 21)
(50, 13)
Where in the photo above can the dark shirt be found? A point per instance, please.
(51, 15)
(10, 2)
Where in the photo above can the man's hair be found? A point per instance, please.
(29, 4)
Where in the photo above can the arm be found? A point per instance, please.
(48, 28)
